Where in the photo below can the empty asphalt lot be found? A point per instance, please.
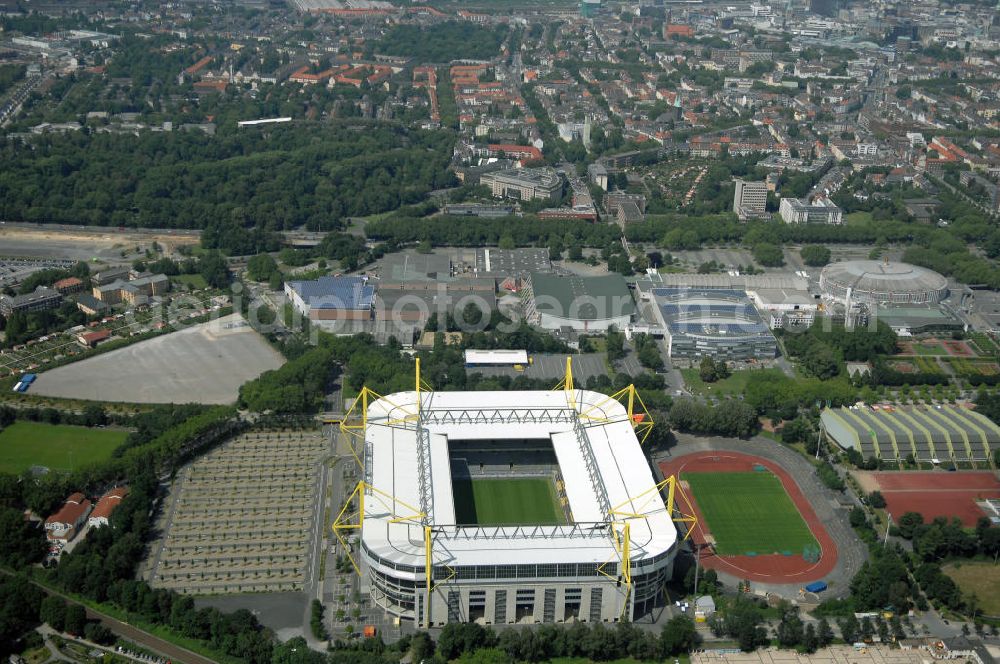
(204, 363)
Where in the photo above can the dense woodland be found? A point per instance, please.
(286, 177)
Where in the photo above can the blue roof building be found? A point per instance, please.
(333, 298)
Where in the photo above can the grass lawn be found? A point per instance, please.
(193, 280)
(506, 502)
(981, 580)
(735, 384)
(929, 349)
(56, 446)
(855, 218)
(749, 512)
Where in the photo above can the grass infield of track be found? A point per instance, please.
(749, 512)
(506, 502)
(55, 446)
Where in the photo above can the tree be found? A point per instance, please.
(849, 628)
(98, 633)
(457, 638)
(824, 634)
(768, 255)
(815, 255)
(421, 647)
(21, 543)
(797, 431)
(876, 499)
(678, 636)
(94, 415)
(821, 361)
(76, 619)
(214, 270)
(615, 344)
(790, 628)
(53, 612)
(19, 606)
(710, 370)
(261, 267)
(809, 639)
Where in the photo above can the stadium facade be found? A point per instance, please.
(882, 282)
(605, 558)
(712, 321)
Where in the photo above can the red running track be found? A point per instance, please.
(772, 568)
(938, 493)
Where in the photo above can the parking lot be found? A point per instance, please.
(241, 518)
(205, 363)
(16, 270)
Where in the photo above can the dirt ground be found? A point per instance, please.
(86, 242)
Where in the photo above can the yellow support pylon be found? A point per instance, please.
(345, 520)
(566, 384)
(622, 540)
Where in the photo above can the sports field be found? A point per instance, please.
(749, 513)
(981, 579)
(506, 502)
(55, 446)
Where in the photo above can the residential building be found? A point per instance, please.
(64, 524)
(524, 184)
(90, 305)
(136, 291)
(111, 274)
(750, 199)
(40, 299)
(821, 211)
(106, 506)
(91, 339)
(68, 285)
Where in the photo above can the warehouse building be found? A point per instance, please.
(933, 434)
(715, 322)
(333, 298)
(785, 308)
(583, 304)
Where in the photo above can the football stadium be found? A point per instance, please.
(508, 507)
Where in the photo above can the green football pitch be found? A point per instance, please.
(749, 513)
(55, 446)
(506, 502)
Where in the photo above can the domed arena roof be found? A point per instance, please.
(883, 281)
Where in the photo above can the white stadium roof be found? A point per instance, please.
(496, 357)
(600, 459)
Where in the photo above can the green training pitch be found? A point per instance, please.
(749, 512)
(55, 446)
(506, 502)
